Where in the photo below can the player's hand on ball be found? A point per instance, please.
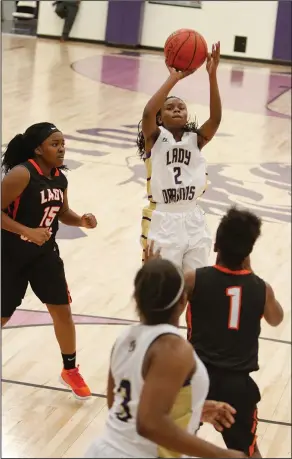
(38, 236)
(213, 59)
(219, 414)
(88, 221)
(179, 74)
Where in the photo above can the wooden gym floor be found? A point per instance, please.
(96, 96)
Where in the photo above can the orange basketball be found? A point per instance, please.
(185, 49)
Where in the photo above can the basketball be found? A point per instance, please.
(185, 49)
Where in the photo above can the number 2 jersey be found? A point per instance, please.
(224, 317)
(38, 206)
(176, 171)
(126, 366)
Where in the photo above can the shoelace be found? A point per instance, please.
(78, 380)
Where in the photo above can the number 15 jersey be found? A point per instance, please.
(176, 171)
(38, 206)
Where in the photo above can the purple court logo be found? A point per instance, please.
(249, 185)
(225, 187)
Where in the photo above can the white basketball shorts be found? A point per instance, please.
(181, 234)
(100, 449)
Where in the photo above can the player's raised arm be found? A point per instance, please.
(150, 128)
(170, 364)
(149, 124)
(210, 127)
(273, 312)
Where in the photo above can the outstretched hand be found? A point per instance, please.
(179, 74)
(213, 59)
(149, 253)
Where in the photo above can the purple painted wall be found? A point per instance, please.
(124, 22)
(282, 40)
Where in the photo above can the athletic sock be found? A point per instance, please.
(69, 361)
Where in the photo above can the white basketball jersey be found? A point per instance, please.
(126, 367)
(176, 170)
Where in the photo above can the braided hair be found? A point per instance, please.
(22, 147)
(191, 126)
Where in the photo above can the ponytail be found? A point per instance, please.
(22, 147)
(16, 152)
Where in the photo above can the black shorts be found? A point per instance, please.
(240, 391)
(44, 272)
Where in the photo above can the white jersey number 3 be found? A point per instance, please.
(234, 307)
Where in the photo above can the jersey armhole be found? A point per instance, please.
(155, 338)
(195, 137)
(112, 351)
(24, 166)
(148, 154)
(63, 178)
(115, 346)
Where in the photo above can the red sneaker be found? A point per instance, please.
(74, 380)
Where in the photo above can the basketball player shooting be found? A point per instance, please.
(171, 147)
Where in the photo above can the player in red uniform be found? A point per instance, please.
(226, 304)
(34, 199)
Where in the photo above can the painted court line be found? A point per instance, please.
(94, 394)
(40, 386)
(87, 319)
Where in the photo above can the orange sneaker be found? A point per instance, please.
(74, 380)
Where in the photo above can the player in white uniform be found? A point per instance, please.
(157, 385)
(176, 171)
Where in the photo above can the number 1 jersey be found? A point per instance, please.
(224, 317)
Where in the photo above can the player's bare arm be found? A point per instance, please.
(149, 125)
(171, 362)
(273, 312)
(190, 280)
(13, 185)
(110, 390)
(210, 127)
(110, 394)
(70, 218)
